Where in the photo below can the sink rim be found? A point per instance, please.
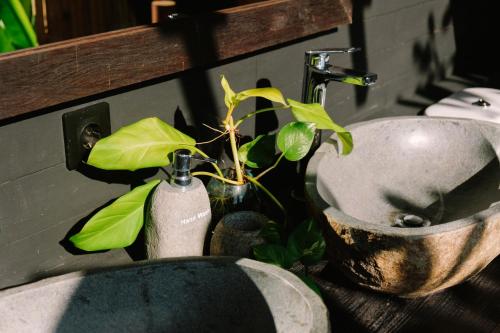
(320, 318)
(317, 203)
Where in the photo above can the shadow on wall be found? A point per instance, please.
(476, 36)
(358, 39)
(475, 61)
(427, 60)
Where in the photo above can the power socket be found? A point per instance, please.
(82, 129)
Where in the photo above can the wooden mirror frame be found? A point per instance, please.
(38, 78)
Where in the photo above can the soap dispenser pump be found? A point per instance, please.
(179, 213)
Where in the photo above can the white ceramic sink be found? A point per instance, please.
(471, 103)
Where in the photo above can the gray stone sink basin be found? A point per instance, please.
(211, 294)
(415, 208)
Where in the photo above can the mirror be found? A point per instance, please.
(29, 23)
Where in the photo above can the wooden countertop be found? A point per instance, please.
(473, 306)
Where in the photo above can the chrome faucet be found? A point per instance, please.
(318, 71)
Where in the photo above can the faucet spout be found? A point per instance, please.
(350, 76)
(314, 89)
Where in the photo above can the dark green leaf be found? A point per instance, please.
(144, 144)
(315, 113)
(258, 153)
(272, 254)
(306, 243)
(310, 283)
(116, 225)
(272, 232)
(295, 139)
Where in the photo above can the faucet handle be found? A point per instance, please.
(320, 58)
(328, 51)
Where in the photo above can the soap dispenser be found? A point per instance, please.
(179, 213)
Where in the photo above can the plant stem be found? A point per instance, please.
(234, 150)
(222, 179)
(270, 168)
(269, 194)
(216, 167)
(212, 140)
(251, 114)
(228, 116)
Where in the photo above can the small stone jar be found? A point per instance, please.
(236, 234)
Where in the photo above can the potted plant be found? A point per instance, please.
(150, 143)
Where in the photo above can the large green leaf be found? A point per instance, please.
(229, 95)
(16, 30)
(146, 143)
(272, 232)
(272, 254)
(315, 113)
(295, 139)
(259, 152)
(269, 93)
(306, 243)
(116, 225)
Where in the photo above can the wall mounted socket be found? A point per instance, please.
(82, 129)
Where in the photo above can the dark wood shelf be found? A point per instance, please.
(52, 74)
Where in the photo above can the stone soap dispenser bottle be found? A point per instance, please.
(179, 213)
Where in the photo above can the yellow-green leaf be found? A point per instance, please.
(146, 143)
(116, 225)
(315, 113)
(270, 93)
(229, 96)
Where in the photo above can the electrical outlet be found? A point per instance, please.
(82, 129)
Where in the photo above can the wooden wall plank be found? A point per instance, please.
(60, 72)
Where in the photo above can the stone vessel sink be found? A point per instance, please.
(213, 294)
(415, 208)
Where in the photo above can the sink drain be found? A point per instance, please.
(404, 220)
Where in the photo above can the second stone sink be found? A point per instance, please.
(415, 207)
(209, 294)
(470, 103)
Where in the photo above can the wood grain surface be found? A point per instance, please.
(470, 307)
(38, 78)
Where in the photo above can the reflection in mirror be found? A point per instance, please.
(28, 23)
(17, 18)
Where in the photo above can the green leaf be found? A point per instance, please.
(229, 97)
(272, 254)
(272, 232)
(5, 41)
(309, 282)
(306, 243)
(315, 113)
(144, 144)
(258, 153)
(270, 93)
(295, 139)
(16, 29)
(116, 225)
